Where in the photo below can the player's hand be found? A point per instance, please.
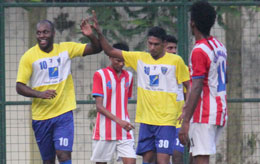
(48, 94)
(183, 133)
(86, 27)
(95, 22)
(180, 119)
(126, 125)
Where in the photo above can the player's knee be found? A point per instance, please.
(63, 156)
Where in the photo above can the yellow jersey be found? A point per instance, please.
(47, 71)
(157, 86)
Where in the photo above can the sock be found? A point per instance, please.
(66, 162)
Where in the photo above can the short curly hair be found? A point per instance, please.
(171, 39)
(157, 32)
(121, 46)
(203, 15)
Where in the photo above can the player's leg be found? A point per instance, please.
(191, 159)
(102, 151)
(149, 157)
(201, 159)
(129, 160)
(164, 143)
(63, 137)
(52, 161)
(146, 143)
(163, 158)
(126, 151)
(64, 156)
(177, 156)
(43, 134)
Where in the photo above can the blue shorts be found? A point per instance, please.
(155, 138)
(177, 145)
(54, 134)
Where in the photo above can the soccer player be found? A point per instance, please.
(112, 86)
(171, 46)
(47, 66)
(206, 105)
(178, 149)
(158, 76)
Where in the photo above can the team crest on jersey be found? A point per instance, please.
(147, 70)
(164, 70)
(154, 80)
(53, 72)
(126, 84)
(109, 85)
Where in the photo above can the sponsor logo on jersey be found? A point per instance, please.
(154, 80)
(53, 72)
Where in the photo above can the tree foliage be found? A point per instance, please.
(125, 23)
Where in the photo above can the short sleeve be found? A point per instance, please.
(24, 70)
(97, 89)
(131, 58)
(74, 49)
(182, 71)
(199, 64)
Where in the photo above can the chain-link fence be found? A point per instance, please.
(237, 26)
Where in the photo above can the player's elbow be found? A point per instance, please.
(18, 88)
(97, 49)
(21, 89)
(99, 109)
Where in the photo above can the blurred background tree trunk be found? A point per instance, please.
(234, 87)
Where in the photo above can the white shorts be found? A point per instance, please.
(203, 138)
(103, 151)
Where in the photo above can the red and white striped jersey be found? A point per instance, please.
(208, 60)
(115, 92)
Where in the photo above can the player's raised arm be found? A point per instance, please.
(94, 47)
(109, 50)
